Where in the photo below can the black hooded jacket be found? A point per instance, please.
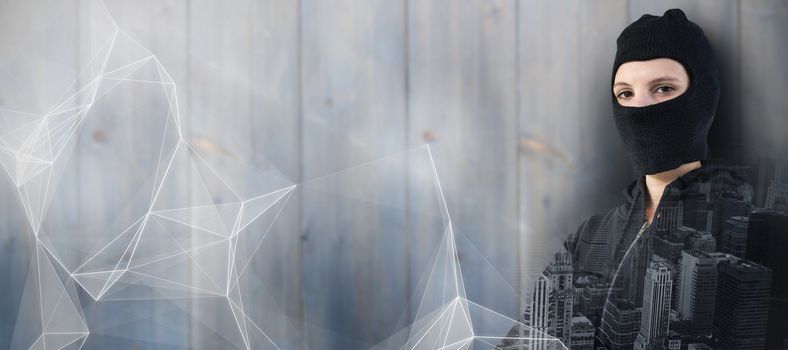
(702, 199)
(610, 251)
(613, 250)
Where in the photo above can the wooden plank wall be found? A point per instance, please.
(511, 96)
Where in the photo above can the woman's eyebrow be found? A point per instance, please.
(664, 79)
(661, 79)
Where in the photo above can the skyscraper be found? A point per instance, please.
(620, 323)
(582, 334)
(767, 244)
(657, 289)
(777, 194)
(592, 245)
(698, 289)
(762, 175)
(742, 305)
(725, 208)
(590, 295)
(671, 215)
(562, 294)
(702, 241)
(633, 269)
(669, 245)
(672, 341)
(697, 210)
(540, 312)
(734, 236)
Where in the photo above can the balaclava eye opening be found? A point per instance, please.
(667, 134)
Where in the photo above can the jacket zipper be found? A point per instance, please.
(646, 224)
(642, 229)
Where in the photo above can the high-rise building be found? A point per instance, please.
(730, 207)
(734, 236)
(657, 290)
(777, 195)
(767, 244)
(702, 241)
(724, 206)
(633, 268)
(761, 177)
(672, 341)
(539, 313)
(559, 271)
(592, 244)
(742, 305)
(590, 294)
(669, 245)
(671, 215)
(698, 289)
(683, 327)
(697, 209)
(620, 324)
(582, 334)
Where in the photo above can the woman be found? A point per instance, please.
(624, 262)
(665, 91)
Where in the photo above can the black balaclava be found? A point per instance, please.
(665, 135)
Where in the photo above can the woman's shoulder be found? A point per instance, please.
(717, 180)
(592, 225)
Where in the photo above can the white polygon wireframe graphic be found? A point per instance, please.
(145, 259)
(446, 319)
(174, 241)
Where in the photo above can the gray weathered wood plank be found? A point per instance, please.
(462, 101)
(353, 109)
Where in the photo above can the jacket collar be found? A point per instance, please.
(635, 192)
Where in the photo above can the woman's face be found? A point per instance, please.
(643, 83)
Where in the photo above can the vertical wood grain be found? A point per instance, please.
(602, 169)
(37, 46)
(353, 112)
(220, 108)
(549, 135)
(128, 126)
(462, 98)
(274, 134)
(763, 77)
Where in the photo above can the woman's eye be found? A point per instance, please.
(624, 94)
(664, 89)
